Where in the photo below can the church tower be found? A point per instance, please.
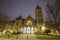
(39, 15)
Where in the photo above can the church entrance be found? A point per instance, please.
(28, 30)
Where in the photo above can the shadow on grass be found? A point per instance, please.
(47, 36)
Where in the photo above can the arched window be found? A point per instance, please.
(29, 22)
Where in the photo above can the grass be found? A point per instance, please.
(48, 36)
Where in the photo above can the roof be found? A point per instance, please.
(20, 17)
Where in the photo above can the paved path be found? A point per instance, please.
(21, 37)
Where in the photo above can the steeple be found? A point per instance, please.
(37, 7)
(20, 17)
(39, 15)
(29, 16)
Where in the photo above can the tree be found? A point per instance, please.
(53, 13)
(47, 31)
(3, 20)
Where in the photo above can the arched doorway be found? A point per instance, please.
(32, 30)
(28, 30)
(24, 30)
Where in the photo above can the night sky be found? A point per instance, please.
(15, 8)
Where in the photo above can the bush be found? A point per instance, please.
(16, 33)
(47, 31)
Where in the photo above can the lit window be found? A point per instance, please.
(29, 22)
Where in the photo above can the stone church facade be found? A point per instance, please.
(27, 25)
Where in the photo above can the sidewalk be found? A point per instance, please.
(21, 37)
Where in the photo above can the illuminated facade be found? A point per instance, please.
(27, 25)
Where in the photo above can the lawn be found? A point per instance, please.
(48, 36)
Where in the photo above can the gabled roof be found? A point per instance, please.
(29, 17)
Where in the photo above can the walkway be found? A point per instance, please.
(21, 37)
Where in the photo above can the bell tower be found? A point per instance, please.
(39, 15)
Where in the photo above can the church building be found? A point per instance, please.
(29, 24)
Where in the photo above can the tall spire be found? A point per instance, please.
(20, 16)
(37, 7)
(29, 15)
